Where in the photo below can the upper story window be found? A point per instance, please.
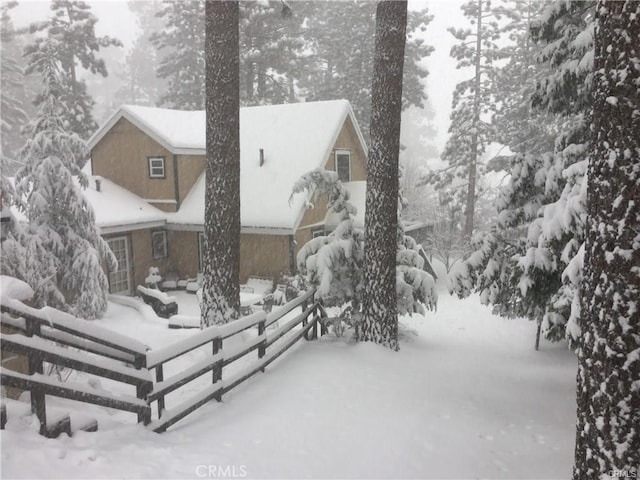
(343, 165)
(156, 167)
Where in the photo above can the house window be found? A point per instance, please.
(156, 167)
(120, 278)
(201, 251)
(343, 165)
(159, 244)
(317, 232)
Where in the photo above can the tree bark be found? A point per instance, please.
(221, 286)
(608, 392)
(473, 160)
(380, 310)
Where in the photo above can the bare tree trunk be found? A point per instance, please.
(608, 390)
(221, 287)
(380, 310)
(473, 161)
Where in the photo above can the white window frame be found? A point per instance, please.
(164, 253)
(121, 275)
(317, 232)
(157, 171)
(340, 154)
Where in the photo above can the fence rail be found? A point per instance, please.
(101, 352)
(311, 317)
(42, 334)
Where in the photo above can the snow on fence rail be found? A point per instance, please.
(120, 358)
(312, 315)
(102, 352)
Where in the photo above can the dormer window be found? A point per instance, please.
(156, 167)
(343, 165)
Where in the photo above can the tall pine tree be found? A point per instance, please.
(221, 287)
(607, 431)
(61, 248)
(473, 102)
(70, 38)
(380, 308)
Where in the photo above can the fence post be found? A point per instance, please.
(35, 366)
(262, 346)
(316, 318)
(305, 320)
(217, 371)
(160, 378)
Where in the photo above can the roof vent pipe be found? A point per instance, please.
(261, 156)
(97, 184)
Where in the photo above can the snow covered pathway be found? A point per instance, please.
(466, 397)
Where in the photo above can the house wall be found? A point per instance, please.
(263, 255)
(190, 167)
(348, 140)
(122, 156)
(260, 255)
(183, 252)
(141, 255)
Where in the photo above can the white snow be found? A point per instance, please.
(115, 206)
(465, 397)
(11, 287)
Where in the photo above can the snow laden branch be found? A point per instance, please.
(60, 251)
(333, 263)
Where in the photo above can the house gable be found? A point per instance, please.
(122, 155)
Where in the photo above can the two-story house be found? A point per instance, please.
(148, 167)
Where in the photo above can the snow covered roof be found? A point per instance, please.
(117, 209)
(294, 138)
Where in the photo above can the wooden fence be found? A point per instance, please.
(44, 333)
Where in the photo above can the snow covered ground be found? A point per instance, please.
(466, 397)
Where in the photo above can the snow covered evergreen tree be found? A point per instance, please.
(379, 306)
(71, 37)
(530, 265)
(221, 285)
(140, 85)
(340, 55)
(12, 77)
(182, 45)
(63, 250)
(607, 434)
(333, 263)
(473, 101)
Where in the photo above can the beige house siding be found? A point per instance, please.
(183, 252)
(263, 255)
(122, 156)
(189, 169)
(348, 140)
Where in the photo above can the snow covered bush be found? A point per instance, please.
(153, 278)
(333, 263)
(60, 251)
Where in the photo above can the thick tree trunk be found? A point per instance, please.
(221, 288)
(608, 427)
(380, 310)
